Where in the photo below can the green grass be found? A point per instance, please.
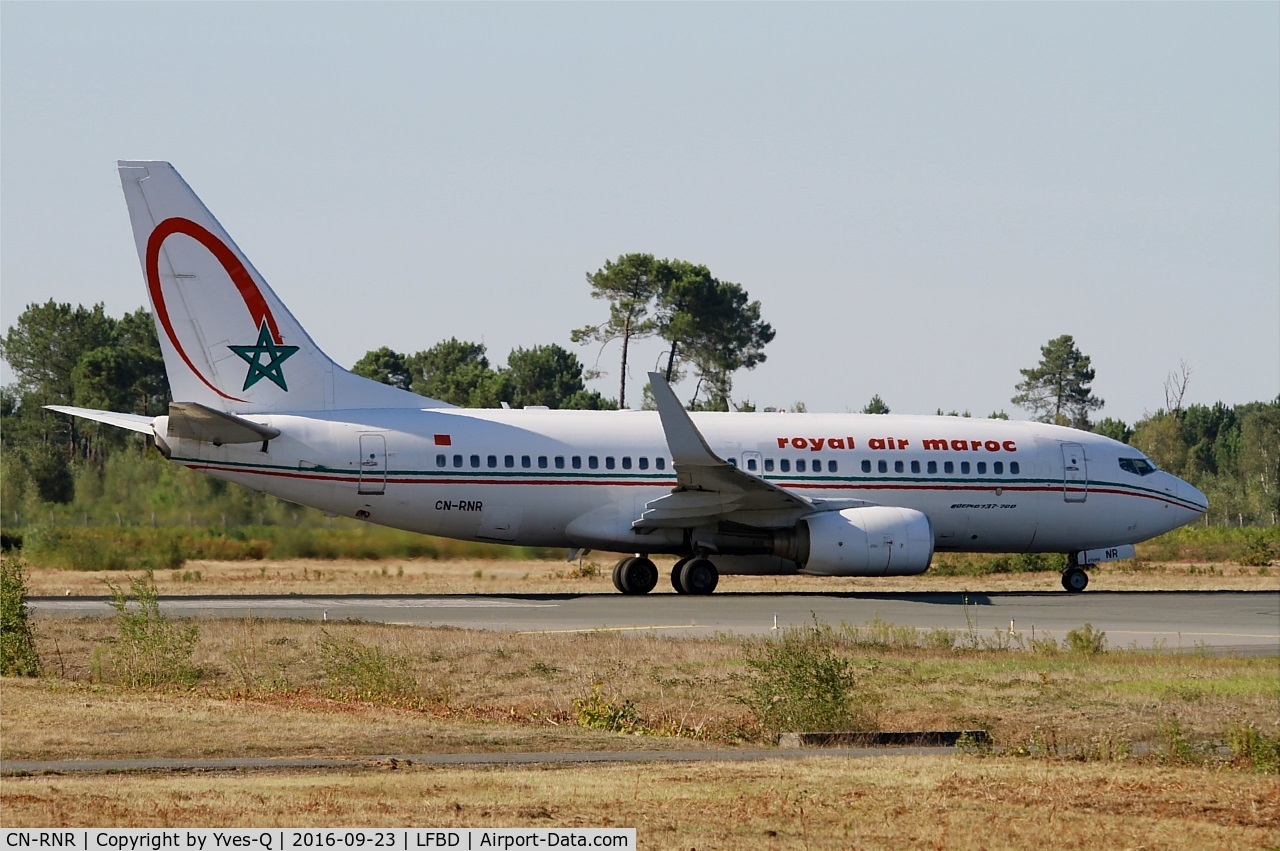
(168, 548)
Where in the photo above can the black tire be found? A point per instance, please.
(675, 576)
(618, 574)
(699, 576)
(639, 575)
(1074, 580)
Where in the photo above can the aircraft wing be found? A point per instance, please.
(708, 487)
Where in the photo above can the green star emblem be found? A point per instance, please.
(276, 355)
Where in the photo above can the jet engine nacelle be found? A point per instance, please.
(877, 540)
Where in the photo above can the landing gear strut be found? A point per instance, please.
(635, 575)
(1074, 579)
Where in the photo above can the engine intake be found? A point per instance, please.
(877, 540)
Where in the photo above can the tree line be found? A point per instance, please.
(1231, 453)
(64, 355)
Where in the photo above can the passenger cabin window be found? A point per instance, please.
(525, 462)
(542, 462)
(982, 467)
(832, 467)
(440, 460)
(784, 465)
(800, 465)
(609, 462)
(508, 461)
(660, 463)
(1014, 468)
(593, 462)
(475, 461)
(457, 460)
(559, 462)
(1137, 466)
(577, 462)
(948, 467)
(883, 466)
(997, 467)
(626, 462)
(899, 467)
(964, 468)
(493, 462)
(642, 462)
(752, 465)
(768, 465)
(866, 466)
(915, 466)
(931, 467)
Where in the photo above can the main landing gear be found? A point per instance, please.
(1074, 579)
(635, 575)
(694, 576)
(639, 575)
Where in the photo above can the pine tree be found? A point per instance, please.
(1057, 391)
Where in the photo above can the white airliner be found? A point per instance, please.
(260, 405)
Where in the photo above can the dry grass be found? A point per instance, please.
(889, 802)
(265, 691)
(478, 576)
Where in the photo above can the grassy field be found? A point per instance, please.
(962, 802)
(1117, 748)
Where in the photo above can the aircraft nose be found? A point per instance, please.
(1192, 497)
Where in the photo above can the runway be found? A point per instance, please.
(1221, 622)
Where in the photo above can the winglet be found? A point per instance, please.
(688, 449)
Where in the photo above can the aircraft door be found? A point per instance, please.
(1075, 476)
(373, 464)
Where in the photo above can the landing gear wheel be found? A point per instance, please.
(1074, 580)
(635, 575)
(675, 575)
(699, 576)
(639, 575)
(617, 574)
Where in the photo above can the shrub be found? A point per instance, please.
(1251, 747)
(150, 650)
(18, 657)
(601, 713)
(1257, 549)
(356, 671)
(798, 682)
(1086, 639)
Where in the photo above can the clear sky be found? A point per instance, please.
(920, 195)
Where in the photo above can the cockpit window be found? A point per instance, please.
(1137, 466)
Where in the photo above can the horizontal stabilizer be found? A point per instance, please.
(193, 421)
(133, 422)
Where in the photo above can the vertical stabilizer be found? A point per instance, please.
(228, 341)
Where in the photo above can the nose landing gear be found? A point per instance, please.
(1074, 579)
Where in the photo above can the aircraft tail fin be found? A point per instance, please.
(229, 343)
